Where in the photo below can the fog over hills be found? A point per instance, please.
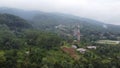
(45, 20)
(102, 10)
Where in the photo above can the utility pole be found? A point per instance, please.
(77, 32)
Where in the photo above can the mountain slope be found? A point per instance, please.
(13, 22)
(18, 12)
(48, 21)
(39, 17)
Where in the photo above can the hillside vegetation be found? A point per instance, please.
(32, 43)
(91, 29)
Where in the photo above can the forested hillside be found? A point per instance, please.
(22, 46)
(48, 21)
(13, 22)
(32, 43)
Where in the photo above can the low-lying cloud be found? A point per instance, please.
(103, 10)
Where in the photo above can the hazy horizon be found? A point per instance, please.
(107, 11)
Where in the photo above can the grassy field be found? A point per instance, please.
(112, 42)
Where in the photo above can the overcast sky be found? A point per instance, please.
(103, 10)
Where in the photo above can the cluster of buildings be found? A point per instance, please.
(76, 35)
(83, 50)
(75, 31)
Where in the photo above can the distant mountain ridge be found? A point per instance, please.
(19, 12)
(48, 21)
(14, 22)
(30, 14)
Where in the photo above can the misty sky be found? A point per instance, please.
(103, 10)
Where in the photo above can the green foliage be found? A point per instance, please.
(30, 48)
(42, 39)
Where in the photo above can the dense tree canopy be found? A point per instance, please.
(23, 47)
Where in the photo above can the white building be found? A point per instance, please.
(81, 50)
(91, 47)
(74, 46)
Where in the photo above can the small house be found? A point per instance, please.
(74, 46)
(91, 47)
(81, 50)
